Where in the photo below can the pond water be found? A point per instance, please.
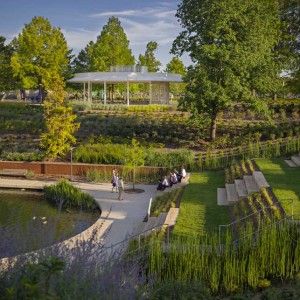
(28, 222)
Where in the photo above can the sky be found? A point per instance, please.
(82, 20)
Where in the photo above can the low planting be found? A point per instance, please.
(22, 156)
(116, 154)
(238, 170)
(199, 212)
(252, 263)
(64, 195)
(165, 201)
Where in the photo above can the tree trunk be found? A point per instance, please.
(274, 96)
(213, 128)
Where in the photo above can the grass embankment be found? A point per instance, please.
(199, 211)
(285, 182)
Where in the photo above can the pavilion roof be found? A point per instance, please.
(119, 77)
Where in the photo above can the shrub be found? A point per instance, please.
(65, 195)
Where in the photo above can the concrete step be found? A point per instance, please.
(260, 179)
(296, 160)
(240, 187)
(161, 219)
(149, 225)
(172, 216)
(222, 197)
(290, 163)
(232, 195)
(251, 185)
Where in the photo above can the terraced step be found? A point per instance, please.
(222, 197)
(241, 188)
(172, 216)
(260, 179)
(290, 163)
(231, 193)
(251, 185)
(296, 160)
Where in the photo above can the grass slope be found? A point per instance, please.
(199, 211)
(285, 182)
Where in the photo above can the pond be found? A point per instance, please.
(28, 222)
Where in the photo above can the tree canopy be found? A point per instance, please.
(148, 59)
(176, 66)
(231, 44)
(82, 62)
(111, 47)
(6, 74)
(41, 53)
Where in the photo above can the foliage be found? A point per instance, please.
(163, 202)
(6, 73)
(116, 154)
(220, 39)
(148, 59)
(111, 47)
(134, 158)
(22, 156)
(273, 253)
(199, 212)
(64, 195)
(41, 53)
(60, 122)
(82, 62)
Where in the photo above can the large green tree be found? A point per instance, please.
(231, 44)
(111, 47)
(176, 66)
(41, 53)
(7, 81)
(148, 59)
(82, 62)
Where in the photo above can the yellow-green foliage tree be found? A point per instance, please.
(60, 121)
(41, 52)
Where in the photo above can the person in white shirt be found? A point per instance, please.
(183, 172)
(165, 182)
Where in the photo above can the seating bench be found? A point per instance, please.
(13, 172)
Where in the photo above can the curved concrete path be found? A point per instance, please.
(119, 218)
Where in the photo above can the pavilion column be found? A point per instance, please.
(88, 91)
(128, 94)
(84, 92)
(91, 92)
(150, 93)
(105, 93)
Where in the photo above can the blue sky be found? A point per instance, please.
(82, 20)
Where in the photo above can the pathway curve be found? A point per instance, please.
(119, 219)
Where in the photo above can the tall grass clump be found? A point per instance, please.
(64, 195)
(270, 254)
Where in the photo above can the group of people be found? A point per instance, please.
(117, 184)
(173, 178)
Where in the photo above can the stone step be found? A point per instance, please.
(222, 197)
(290, 163)
(240, 187)
(296, 160)
(260, 179)
(231, 193)
(251, 185)
(172, 216)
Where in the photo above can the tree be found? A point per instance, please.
(111, 47)
(148, 59)
(41, 53)
(59, 137)
(82, 62)
(176, 66)
(7, 81)
(231, 44)
(135, 157)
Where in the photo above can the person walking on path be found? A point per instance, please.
(121, 188)
(114, 181)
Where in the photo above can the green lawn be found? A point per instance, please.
(285, 182)
(199, 211)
